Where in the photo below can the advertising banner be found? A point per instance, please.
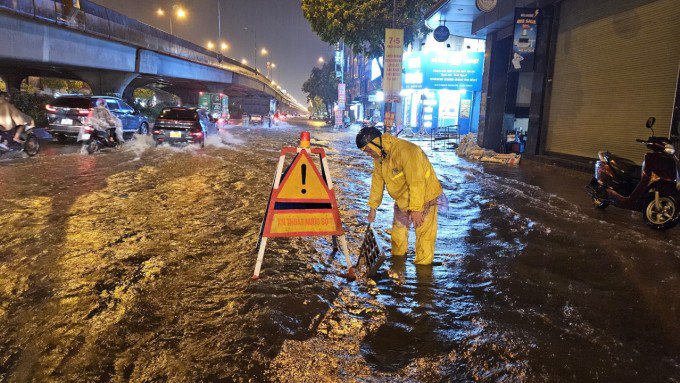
(394, 50)
(443, 70)
(342, 96)
(524, 40)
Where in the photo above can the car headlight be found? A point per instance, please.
(669, 149)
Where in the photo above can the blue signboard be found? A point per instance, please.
(443, 70)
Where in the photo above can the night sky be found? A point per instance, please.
(279, 25)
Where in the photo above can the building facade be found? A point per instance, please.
(594, 72)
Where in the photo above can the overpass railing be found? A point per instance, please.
(94, 19)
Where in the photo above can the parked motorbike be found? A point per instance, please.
(94, 140)
(653, 188)
(30, 145)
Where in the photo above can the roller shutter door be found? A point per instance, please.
(616, 64)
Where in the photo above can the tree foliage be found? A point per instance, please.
(143, 93)
(322, 83)
(361, 24)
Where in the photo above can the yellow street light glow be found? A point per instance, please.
(321, 60)
(273, 65)
(244, 61)
(264, 52)
(224, 46)
(210, 45)
(181, 13)
(160, 12)
(273, 82)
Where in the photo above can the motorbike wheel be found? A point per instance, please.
(664, 216)
(92, 146)
(600, 203)
(32, 145)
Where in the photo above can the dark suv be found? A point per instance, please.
(67, 114)
(182, 126)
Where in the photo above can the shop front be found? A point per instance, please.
(570, 78)
(442, 89)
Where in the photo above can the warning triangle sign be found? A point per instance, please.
(303, 183)
(303, 204)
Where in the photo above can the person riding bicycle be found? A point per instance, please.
(102, 119)
(11, 120)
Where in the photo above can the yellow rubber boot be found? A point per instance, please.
(399, 239)
(426, 237)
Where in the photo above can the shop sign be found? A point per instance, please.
(524, 40)
(342, 96)
(394, 50)
(443, 70)
(441, 33)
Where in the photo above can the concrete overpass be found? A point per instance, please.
(115, 54)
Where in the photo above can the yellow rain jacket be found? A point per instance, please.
(407, 174)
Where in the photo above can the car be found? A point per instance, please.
(256, 119)
(67, 114)
(181, 125)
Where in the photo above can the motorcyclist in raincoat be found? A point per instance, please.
(11, 119)
(102, 119)
(403, 168)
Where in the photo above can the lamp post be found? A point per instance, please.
(254, 44)
(177, 11)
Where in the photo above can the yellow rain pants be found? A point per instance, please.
(426, 235)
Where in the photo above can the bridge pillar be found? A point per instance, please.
(107, 83)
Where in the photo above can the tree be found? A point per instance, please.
(361, 24)
(323, 83)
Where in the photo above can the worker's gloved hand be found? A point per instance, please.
(371, 216)
(417, 217)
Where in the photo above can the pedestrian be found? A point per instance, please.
(11, 120)
(102, 119)
(405, 170)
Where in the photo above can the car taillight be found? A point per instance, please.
(84, 112)
(50, 109)
(89, 129)
(196, 134)
(157, 132)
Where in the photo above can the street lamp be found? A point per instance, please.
(244, 61)
(264, 52)
(178, 12)
(224, 46)
(210, 45)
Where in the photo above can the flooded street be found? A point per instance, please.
(135, 265)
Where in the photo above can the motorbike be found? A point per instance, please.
(94, 140)
(30, 145)
(653, 188)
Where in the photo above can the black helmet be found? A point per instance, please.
(366, 135)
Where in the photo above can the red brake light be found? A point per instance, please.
(50, 109)
(89, 129)
(196, 134)
(84, 112)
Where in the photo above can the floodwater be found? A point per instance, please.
(135, 265)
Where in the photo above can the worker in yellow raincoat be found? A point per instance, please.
(405, 170)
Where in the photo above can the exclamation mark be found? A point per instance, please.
(304, 177)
